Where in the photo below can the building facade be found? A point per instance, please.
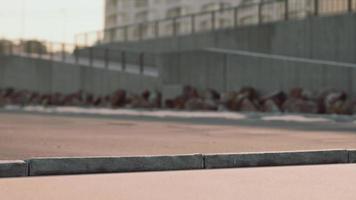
(134, 14)
(125, 12)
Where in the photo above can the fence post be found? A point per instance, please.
(11, 48)
(213, 20)
(28, 47)
(174, 23)
(91, 56)
(259, 10)
(349, 5)
(86, 39)
(123, 60)
(140, 30)
(316, 7)
(286, 10)
(236, 17)
(156, 27)
(98, 37)
(112, 34)
(40, 50)
(63, 52)
(142, 57)
(76, 54)
(192, 21)
(106, 57)
(126, 34)
(50, 50)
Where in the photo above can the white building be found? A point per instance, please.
(125, 12)
(134, 14)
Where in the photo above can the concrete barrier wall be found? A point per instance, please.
(228, 71)
(90, 165)
(276, 159)
(13, 169)
(50, 77)
(65, 166)
(329, 38)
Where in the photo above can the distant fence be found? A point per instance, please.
(101, 57)
(247, 14)
(229, 70)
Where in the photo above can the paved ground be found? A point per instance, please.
(23, 136)
(327, 182)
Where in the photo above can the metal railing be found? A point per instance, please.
(250, 14)
(97, 57)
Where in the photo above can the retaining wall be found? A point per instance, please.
(50, 77)
(228, 71)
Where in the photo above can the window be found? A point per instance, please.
(176, 12)
(141, 3)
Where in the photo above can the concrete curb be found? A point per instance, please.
(67, 166)
(17, 168)
(96, 165)
(352, 156)
(276, 159)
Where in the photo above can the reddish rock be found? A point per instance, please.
(211, 105)
(194, 104)
(118, 99)
(89, 99)
(146, 94)
(293, 105)
(271, 106)
(227, 99)
(190, 92)
(249, 93)
(246, 105)
(211, 94)
(279, 97)
(296, 93)
(334, 101)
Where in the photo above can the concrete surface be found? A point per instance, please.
(65, 166)
(14, 168)
(24, 136)
(276, 159)
(325, 182)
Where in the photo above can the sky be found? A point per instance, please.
(52, 20)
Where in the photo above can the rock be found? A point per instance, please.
(155, 99)
(190, 92)
(210, 105)
(353, 108)
(211, 94)
(334, 101)
(2, 100)
(89, 99)
(296, 93)
(118, 99)
(293, 105)
(246, 105)
(194, 104)
(249, 93)
(146, 94)
(279, 97)
(35, 99)
(271, 106)
(227, 100)
(57, 99)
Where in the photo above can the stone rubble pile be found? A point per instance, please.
(247, 99)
